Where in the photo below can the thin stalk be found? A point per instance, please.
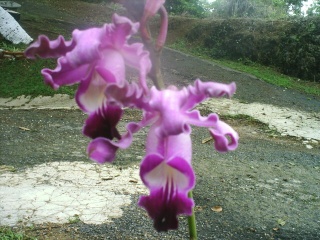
(192, 223)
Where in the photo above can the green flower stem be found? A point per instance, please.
(192, 223)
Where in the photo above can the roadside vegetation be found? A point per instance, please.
(265, 73)
(22, 77)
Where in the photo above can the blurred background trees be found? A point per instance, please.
(240, 8)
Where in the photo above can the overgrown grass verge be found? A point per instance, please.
(264, 73)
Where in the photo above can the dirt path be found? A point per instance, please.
(268, 188)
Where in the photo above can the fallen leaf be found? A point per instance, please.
(25, 129)
(198, 208)
(217, 209)
(206, 140)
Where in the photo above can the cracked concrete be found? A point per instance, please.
(287, 121)
(61, 192)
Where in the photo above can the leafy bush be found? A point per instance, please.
(292, 46)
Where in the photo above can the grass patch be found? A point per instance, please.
(267, 74)
(23, 76)
(270, 75)
(74, 219)
(7, 233)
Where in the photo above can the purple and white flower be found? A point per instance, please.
(97, 58)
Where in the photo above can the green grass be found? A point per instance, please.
(270, 75)
(8, 234)
(74, 219)
(267, 74)
(23, 77)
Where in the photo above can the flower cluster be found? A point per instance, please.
(97, 59)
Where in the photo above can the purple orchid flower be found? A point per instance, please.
(166, 169)
(95, 58)
(167, 172)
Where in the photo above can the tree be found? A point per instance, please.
(189, 7)
(294, 6)
(257, 8)
(314, 10)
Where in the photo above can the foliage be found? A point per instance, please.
(21, 77)
(314, 10)
(293, 45)
(186, 7)
(7, 234)
(267, 74)
(256, 8)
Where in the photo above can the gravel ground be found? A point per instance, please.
(268, 188)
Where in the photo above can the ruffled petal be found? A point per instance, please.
(139, 59)
(225, 138)
(129, 95)
(64, 74)
(203, 90)
(103, 150)
(123, 29)
(194, 118)
(45, 48)
(92, 49)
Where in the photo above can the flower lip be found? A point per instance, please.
(169, 182)
(102, 123)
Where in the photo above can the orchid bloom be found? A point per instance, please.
(166, 169)
(95, 58)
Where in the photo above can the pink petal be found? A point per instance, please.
(45, 48)
(225, 138)
(169, 182)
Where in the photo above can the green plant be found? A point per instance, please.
(7, 233)
(12, 47)
(267, 74)
(22, 77)
(74, 219)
